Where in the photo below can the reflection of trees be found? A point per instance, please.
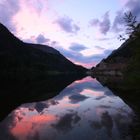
(66, 122)
(40, 106)
(95, 125)
(107, 122)
(122, 124)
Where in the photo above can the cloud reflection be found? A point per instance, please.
(86, 85)
(66, 122)
(77, 98)
(85, 107)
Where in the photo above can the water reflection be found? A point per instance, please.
(14, 93)
(84, 110)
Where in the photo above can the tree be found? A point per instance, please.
(132, 25)
(121, 38)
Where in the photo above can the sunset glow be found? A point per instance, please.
(29, 124)
(95, 25)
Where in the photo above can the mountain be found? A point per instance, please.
(120, 72)
(19, 60)
(123, 61)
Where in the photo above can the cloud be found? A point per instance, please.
(104, 39)
(77, 98)
(100, 97)
(41, 39)
(106, 121)
(134, 7)
(38, 5)
(40, 106)
(67, 25)
(95, 22)
(130, 5)
(66, 122)
(104, 24)
(118, 22)
(95, 125)
(77, 47)
(78, 58)
(99, 47)
(87, 83)
(8, 9)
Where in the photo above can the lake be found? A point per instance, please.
(83, 110)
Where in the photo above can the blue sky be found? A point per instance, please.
(84, 31)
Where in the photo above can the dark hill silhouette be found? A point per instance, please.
(19, 60)
(121, 61)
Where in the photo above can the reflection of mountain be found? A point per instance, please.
(75, 113)
(128, 93)
(18, 93)
(119, 87)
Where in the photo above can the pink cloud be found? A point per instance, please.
(21, 130)
(123, 2)
(30, 21)
(92, 93)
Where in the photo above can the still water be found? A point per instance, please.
(84, 110)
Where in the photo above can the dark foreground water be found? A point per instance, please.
(84, 110)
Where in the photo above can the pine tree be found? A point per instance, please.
(132, 25)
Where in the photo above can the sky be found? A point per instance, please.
(84, 31)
